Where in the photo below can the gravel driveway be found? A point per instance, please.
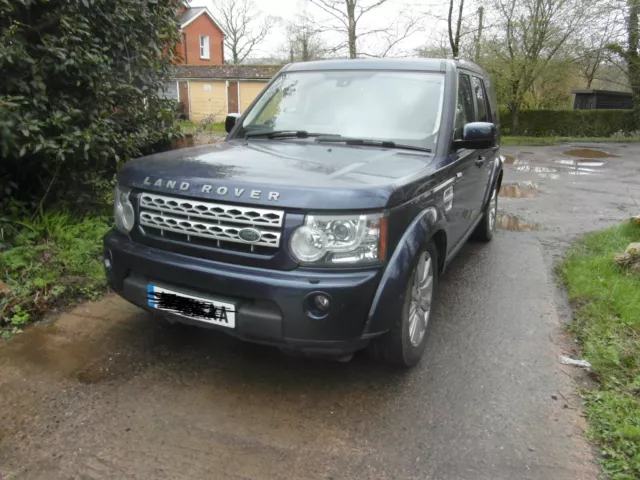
(105, 391)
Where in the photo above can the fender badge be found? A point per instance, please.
(249, 235)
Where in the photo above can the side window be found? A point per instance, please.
(481, 99)
(464, 111)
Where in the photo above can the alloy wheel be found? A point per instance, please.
(421, 298)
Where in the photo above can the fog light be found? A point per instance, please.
(322, 303)
(107, 263)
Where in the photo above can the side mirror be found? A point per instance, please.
(477, 136)
(231, 121)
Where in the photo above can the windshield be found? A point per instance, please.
(404, 107)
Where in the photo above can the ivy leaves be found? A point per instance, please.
(81, 83)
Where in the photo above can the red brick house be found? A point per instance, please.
(210, 93)
(202, 44)
(204, 86)
(202, 38)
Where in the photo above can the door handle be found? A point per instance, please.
(480, 161)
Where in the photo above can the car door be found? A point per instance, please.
(486, 157)
(461, 196)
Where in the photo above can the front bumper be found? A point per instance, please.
(272, 306)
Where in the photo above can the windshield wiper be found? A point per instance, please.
(280, 134)
(369, 142)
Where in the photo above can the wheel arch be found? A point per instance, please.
(440, 240)
(429, 225)
(496, 180)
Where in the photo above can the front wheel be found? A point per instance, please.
(405, 342)
(486, 227)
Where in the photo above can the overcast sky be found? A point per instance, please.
(287, 10)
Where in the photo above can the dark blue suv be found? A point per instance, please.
(323, 221)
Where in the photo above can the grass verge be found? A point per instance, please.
(606, 302)
(541, 141)
(47, 263)
(187, 126)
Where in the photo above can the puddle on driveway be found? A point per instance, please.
(535, 169)
(48, 346)
(578, 163)
(94, 342)
(543, 172)
(582, 166)
(511, 160)
(519, 190)
(513, 224)
(588, 153)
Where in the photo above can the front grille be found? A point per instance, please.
(208, 223)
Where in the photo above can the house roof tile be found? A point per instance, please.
(190, 14)
(226, 72)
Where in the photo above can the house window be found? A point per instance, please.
(204, 47)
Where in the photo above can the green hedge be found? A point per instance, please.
(569, 123)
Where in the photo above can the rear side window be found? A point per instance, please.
(481, 99)
(464, 112)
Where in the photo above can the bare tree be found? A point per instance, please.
(245, 27)
(590, 61)
(346, 15)
(530, 34)
(478, 37)
(591, 48)
(629, 53)
(305, 42)
(440, 49)
(403, 27)
(455, 31)
(463, 34)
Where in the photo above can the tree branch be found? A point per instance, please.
(329, 7)
(369, 8)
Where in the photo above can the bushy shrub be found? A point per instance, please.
(80, 89)
(569, 123)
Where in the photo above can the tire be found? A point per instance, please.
(403, 346)
(486, 227)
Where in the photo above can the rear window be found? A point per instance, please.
(481, 99)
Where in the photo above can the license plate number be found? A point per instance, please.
(188, 306)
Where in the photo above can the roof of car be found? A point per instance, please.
(416, 64)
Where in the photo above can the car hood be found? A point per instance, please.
(282, 173)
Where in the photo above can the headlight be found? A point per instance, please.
(123, 209)
(340, 240)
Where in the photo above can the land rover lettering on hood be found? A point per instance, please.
(323, 221)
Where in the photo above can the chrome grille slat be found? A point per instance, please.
(216, 232)
(208, 221)
(213, 211)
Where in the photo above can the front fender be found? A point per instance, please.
(388, 300)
